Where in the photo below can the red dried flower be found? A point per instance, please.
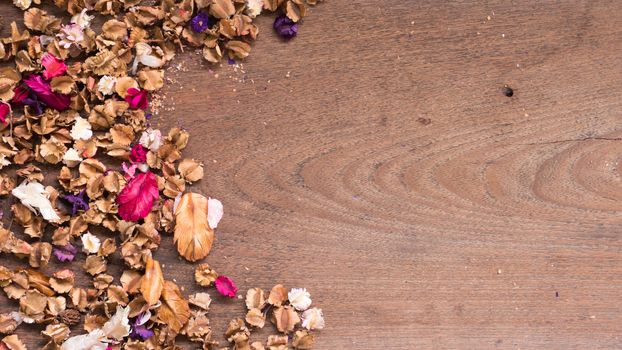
(137, 197)
(138, 99)
(5, 111)
(225, 286)
(21, 93)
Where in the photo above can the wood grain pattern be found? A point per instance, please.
(390, 176)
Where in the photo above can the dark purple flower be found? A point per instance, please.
(200, 22)
(231, 61)
(66, 253)
(285, 27)
(139, 330)
(78, 202)
(138, 154)
(33, 101)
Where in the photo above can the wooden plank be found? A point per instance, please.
(375, 160)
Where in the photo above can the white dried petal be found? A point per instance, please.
(214, 212)
(118, 327)
(71, 158)
(4, 161)
(254, 7)
(299, 298)
(22, 4)
(82, 19)
(90, 243)
(81, 130)
(106, 84)
(313, 319)
(151, 139)
(91, 341)
(34, 197)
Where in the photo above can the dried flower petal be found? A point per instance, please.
(90, 243)
(90, 341)
(138, 154)
(174, 310)
(313, 319)
(200, 22)
(152, 282)
(118, 327)
(43, 92)
(54, 67)
(137, 197)
(285, 27)
(34, 196)
(66, 253)
(299, 298)
(225, 286)
(81, 130)
(106, 85)
(193, 235)
(214, 212)
(78, 202)
(151, 139)
(286, 319)
(138, 99)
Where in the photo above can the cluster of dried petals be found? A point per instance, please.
(74, 103)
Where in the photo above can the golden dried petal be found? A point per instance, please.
(303, 340)
(7, 324)
(63, 84)
(255, 318)
(152, 282)
(204, 275)
(278, 295)
(222, 8)
(174, 311)
(239, 49)
(12, 342)
(285, 318)
(202, 300)
(151, 79)
(56, 332)
(193, 235)
(191, 169)
(33, 303)
(255, 298)
(95, 265)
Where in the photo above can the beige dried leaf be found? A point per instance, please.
(174, 310)
(152, 282)
(222, 8)
(285, 319)
(202, 300)
(193, 235)
(33, 303)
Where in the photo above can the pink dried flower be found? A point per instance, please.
(138, 99)
(137, 197)
(129, 171)
(54, 67)
(225, 286)
(138, 154)
(70, 34)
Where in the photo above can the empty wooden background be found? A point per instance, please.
(375, 161)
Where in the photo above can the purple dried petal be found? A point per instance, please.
(200, 22)
(140, 332)
(66, 253)
(79, 202)
(231, 61)
(285, 27)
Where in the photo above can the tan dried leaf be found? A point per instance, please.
(63, 84)
(56, 332)
(152, 282)
(204, 275)
(95, 265)
(278, 295)
(303, 340)
(174, 310)
(193, 235)
(255, 318)
(33, 303)
(202, 300)
(222, 8)
(190, 169)
(8, 324)
(285, 318)
(62, 281)
(255, 298)
(12, 342)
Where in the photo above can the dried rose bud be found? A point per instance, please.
(138, 154)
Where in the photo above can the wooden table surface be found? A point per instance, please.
(375, 161)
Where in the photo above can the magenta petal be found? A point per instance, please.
(5, 110)
(44, 92)
(54, 67)
(138, 99)
(137, 197)
(225, 286)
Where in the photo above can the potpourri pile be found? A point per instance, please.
(75, 105)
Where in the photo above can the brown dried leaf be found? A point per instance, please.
(255, 318)
(12, 342)
(152, 282)
(193, 235)
(303, 340)
(202, 300)
(255, 298)
(174, 311)
(191, 169)
(222, 8)
(204, 275)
